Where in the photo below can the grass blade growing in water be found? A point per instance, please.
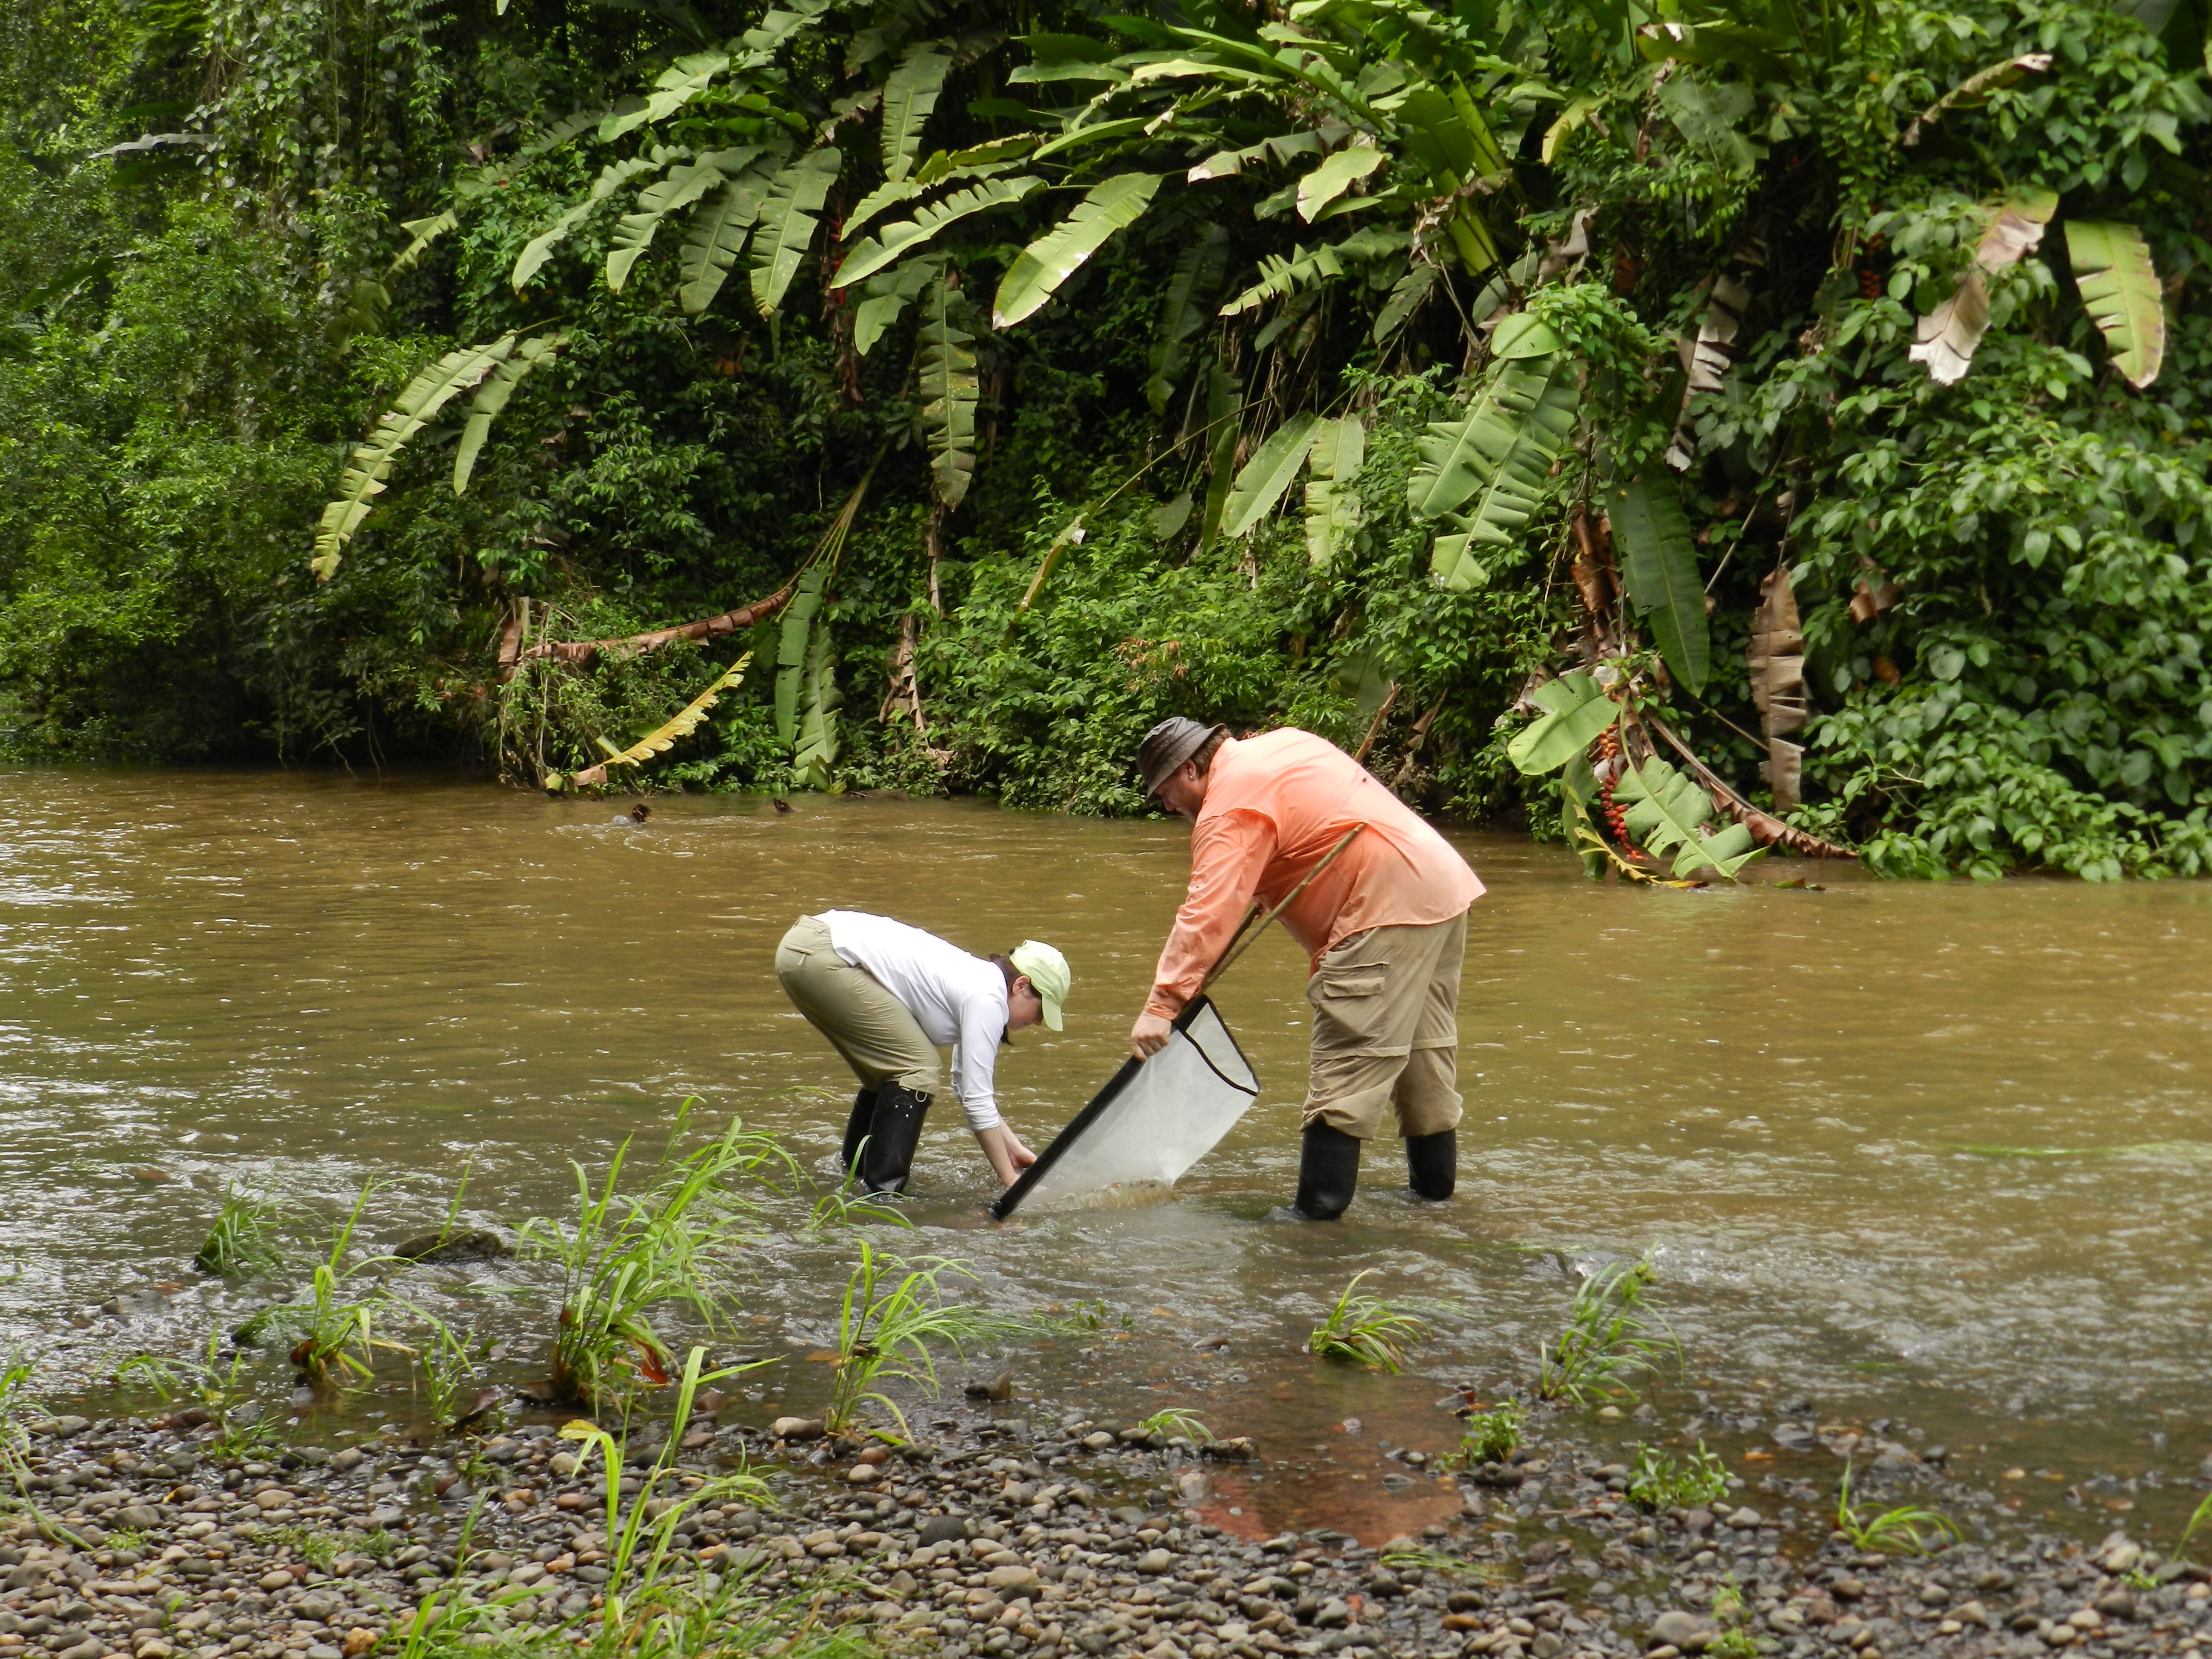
(1366, 1330)
(1608, 1339)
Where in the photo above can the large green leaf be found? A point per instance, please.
(1281, 274)
(814, 751)
(1457, 456)
(1498, 516)
(1040, 269)
(909, 97)
(2119, 288)
(1576, 712)
(888, 194)
(1431, 135)
(1405, 300)
(1339, 447)
(539, 248)
(423, 232)
(946, 373)
(903, 236)
(787, 222)
(791, 649)
(1667, 811)
(491, 397)
(1261, 481)
(1495, 464)
(1659, 564)
(717, 236)
(683, 186)
(1224, 409)
(1336, 174)
(1198, 272)
(888, 294)
(371, 462)
(679, 84)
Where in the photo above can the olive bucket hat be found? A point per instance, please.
(1167, 746)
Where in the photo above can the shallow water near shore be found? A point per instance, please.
(1931, 1154)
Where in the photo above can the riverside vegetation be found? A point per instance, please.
(665, 1516)
(1784, 423)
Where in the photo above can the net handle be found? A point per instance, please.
(1241, 941)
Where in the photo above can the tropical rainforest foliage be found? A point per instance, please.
(1698, 427)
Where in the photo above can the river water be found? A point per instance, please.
(1936, 1154)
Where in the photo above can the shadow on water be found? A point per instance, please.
(1822, 1113)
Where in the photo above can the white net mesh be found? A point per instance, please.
(1147, 1127)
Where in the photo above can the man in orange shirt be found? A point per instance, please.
(1385, 926)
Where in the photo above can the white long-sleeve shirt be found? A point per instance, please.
(959, 1000)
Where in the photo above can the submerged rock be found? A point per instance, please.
(469, 1244)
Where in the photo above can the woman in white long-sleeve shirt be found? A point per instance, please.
(888, 997)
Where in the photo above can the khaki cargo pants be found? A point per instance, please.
(880, 1039)
(1386, 1030)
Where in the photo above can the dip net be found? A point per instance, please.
(1152, 1120)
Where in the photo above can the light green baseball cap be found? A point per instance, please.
(1045, 970)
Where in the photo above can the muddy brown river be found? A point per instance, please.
(1928, 1159)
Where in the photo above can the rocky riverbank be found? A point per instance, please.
(996, 1538)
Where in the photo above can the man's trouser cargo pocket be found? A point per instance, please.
(1385, 1034)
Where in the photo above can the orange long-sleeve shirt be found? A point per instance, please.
(1274, 806)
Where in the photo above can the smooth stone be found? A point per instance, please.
(1746, 1518)
(1155, 1561)
(795, 1428)
(1682, 1630)
(942, 1529)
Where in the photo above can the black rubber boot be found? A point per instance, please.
(892, 1137)
(1432, 1164)
(857, 1127)
(1328, 1173)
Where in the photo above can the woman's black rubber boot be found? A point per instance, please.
(1432, 1164)
(857, 1127)
(892, 1137)
(1328, 1173)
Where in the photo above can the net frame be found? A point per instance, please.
(1103, 1102)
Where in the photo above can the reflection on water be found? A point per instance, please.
(1821, 1112)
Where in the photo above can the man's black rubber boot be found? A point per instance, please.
(1432, 1164)
(1328, 1173)
(857, 1127)
(892, 1137)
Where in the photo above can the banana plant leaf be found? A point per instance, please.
(1667, 810)
(2119, 290)
(1577, 713)
(792, 649)
(1659, 560)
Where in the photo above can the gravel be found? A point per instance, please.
(995, 1541)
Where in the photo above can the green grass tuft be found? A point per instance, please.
(1610, 1337)
(1367, 1331)
(1906, 1530)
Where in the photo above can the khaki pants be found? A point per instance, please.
(880, 1039)
(1386, 1031)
